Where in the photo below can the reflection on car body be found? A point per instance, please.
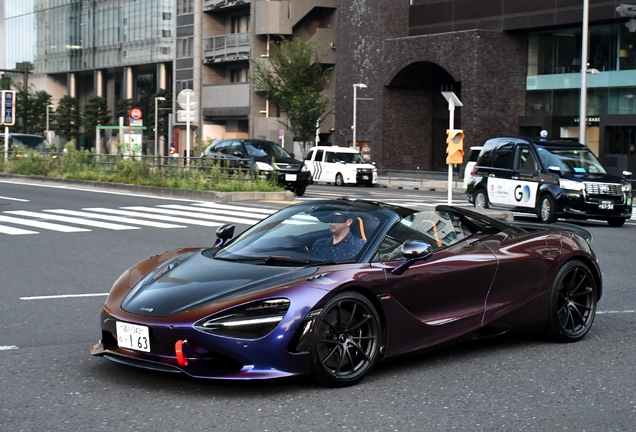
(261, 305)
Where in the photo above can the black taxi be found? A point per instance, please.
(548, 178)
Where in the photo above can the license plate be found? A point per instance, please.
(365, 177)
(606, 205)
(133, 336)
(290, 177)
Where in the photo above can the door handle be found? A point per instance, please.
(491, 175)
(515, 177)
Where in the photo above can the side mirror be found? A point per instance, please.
(292, 156)
(413, 251)
(627, 174)
(223, 234)
(554, 169)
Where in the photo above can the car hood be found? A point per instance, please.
(193, 280)
(280, 161)
(601, 178)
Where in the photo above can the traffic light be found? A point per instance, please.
(454, 146)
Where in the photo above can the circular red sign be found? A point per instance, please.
(136, 113)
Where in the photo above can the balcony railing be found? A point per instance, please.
(225, 48)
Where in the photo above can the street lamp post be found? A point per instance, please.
(48, 132)
(584, 72)
(157, 99)
(355, 99)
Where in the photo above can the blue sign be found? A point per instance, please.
(8, 108)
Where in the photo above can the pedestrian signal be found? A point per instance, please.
(454, 146)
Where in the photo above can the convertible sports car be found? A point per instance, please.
(262, 305)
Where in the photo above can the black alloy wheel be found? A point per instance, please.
(346, 340)
(339, 180)
(573, 303)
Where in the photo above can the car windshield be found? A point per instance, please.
(302, 235)
(353, 158)
(577, 161)
(260, 149)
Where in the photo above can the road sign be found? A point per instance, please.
(7, 116)
(281, 133)
(136, 113)
(182, 116)
(186, 95)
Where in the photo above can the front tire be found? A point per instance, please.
(346, 340)
(547, 209)
(573, 303)
(300, 190)
(616, 222)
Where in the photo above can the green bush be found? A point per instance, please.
(202, 174)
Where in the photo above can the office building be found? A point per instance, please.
(216, 41)
(514, 64)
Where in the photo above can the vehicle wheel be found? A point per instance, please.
(480, 200)
(547, 209)
(573, 303)
(616, 222)
(346, 340)
(300, 191)
(339, 180)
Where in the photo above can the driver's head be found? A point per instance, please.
(340, 222)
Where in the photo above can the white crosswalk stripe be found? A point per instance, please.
(233, 207)
(161, 217)
(115, 218)
(192, 214)
(77, 221)
(40, 224)
(213, 211)
(15, 231)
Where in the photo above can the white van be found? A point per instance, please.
(340, 166)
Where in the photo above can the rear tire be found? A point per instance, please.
(573, 303)
(547, 209)
(300, 190)
(480, 199)
(339, 180)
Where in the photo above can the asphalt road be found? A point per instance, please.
(49, 381)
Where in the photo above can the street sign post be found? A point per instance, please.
(187, 100)
(8, 107)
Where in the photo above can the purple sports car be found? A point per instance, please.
(287, 297)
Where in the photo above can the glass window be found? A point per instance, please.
(503, 156)
(577, 161)
(524, 159)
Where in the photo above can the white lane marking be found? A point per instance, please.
(63, 296)
(229, 207)
(40, 224)
(15, 231)
(192, 214)
(76, 221)
(8, 347)
(221, 212)
(615, 312)
(154, 216)
(13, 199)
(116, 219)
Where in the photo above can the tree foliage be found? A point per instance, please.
(31, 109)
(68, 118)
(293, 80)
(94, 113)
(123, 107)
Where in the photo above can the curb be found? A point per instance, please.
(203, 195)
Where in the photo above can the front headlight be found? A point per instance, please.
(249, 321)
(262, 166)
(304, 168)
(627, 187)
(571, 185)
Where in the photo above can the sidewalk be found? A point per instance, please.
(419, 184)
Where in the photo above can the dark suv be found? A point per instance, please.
(291, 173)
(550, 179)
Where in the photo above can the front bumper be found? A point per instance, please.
(575, 204)
(294, 179)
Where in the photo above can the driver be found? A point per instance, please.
(341, 245)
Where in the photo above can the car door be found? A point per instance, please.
(442, 297)
(318, 173)
(524, 178)
(500, 184)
